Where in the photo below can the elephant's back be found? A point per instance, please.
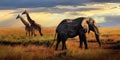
(78, 20)
(68, 24)
(61, 26)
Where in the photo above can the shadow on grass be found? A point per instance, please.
(111, 44)
(115, 46)
(46, 43)
(108, 44)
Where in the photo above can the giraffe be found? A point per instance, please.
(27, 25)
(34, 25)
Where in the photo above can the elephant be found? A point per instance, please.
(69, 28)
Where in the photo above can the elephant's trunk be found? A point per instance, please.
(98, 39)
(97, 35)
(96, 30)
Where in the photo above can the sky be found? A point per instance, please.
(49, 13)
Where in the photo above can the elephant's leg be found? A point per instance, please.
(64, 44)
(58, 41)
(85, 43)
(81, 43)
(83, 39)
(64, 38)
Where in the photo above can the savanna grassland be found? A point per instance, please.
(14, 45)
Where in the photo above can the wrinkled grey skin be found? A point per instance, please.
(70, 28)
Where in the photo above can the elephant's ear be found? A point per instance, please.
(95, 28)
(91, 20)
(85, 25)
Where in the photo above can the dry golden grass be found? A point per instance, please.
(39, 50)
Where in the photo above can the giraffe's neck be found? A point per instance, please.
(24, 22)
(29, 18)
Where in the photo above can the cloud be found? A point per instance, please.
(59, 9)
(105, 0)
(113, 19)
(47, 19)
(37, 3)
(73, 9)
(6, 14)
(51, 16)
(99, 19)
(11, 23)
(14, 4)
(7, 19)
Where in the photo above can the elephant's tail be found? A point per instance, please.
(53, 40)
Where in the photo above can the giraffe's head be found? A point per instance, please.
(18, 16)
(25, 12)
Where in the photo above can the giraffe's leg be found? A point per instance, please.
(29, 33)
(35, 33)
(40, 32)
(32, 31)
(26, 33)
